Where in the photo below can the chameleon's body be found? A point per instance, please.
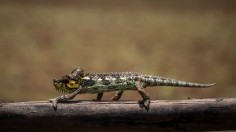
(78, 83)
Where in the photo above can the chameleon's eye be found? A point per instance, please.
(72, 84)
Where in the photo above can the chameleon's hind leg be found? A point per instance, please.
(146, 98)
(117, 95)
(99, 97)
(64, 98)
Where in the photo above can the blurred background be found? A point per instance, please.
(186, 40)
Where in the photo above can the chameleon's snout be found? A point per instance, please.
(54, 80)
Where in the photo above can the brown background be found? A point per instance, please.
(185, 40)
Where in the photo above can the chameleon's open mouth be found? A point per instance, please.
(58, 85)
(56, 81)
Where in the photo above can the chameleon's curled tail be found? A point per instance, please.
(161, 81)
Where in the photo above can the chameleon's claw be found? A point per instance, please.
(146, 104)
(54, 103)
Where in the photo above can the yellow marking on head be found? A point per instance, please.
(72, 84)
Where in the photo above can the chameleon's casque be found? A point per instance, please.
(78, 82)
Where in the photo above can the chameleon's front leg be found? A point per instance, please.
(64, 98)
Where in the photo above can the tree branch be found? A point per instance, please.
(165, 115)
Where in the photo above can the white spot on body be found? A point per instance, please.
(86, 78)
(183, 83)
(165, 82)
(190, 84)
(158, 81)
(99, 79)
(173, 82)
(123, 78)
(108, 78)
(152, 82)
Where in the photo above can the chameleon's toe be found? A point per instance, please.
(146, 104)
(54, 103)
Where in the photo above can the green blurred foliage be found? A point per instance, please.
(186, 40)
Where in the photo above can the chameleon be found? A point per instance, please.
(78, 82)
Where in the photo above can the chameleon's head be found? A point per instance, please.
(69, 83)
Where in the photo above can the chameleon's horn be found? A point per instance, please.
(78, 72)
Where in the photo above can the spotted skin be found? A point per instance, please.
(97, 83)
